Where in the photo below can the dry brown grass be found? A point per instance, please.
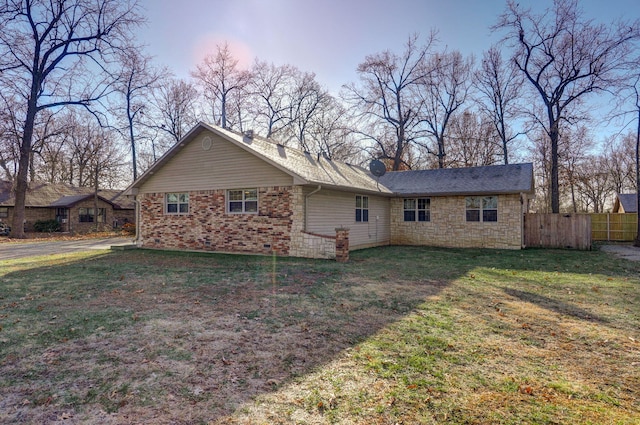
(398, 335)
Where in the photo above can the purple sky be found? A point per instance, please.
(328, 37)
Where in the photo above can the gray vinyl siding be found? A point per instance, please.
(223, 166)
(330, 209)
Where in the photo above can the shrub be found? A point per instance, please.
(47, 226)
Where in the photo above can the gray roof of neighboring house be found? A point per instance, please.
(50, 195)
(309, 169)
(629, 202)
(493, 179)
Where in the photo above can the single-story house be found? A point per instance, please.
(218, 190)
(73, 207)
(626, 203)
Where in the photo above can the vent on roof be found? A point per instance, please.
(248, 134)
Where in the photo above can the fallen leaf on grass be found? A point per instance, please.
(525, 389)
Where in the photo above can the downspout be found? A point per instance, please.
(136, 202)
(524, 208)
(306, 203)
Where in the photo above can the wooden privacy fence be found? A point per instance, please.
(557, 231)
(614, 227)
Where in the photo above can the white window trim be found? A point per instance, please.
(244, 201)
(417, 210)
(362, 209)
(481, 209)
(178, 203)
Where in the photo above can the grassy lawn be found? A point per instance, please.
(398, 335)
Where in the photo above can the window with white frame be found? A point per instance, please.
(362, 209)
(482, 209)
(242, 201)
(177, 203)
(417, 209)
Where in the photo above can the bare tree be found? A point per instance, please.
(271, 90)
(471, 141)
(565, 57)
(136, 81)
(308, 99)
(53, 53)
(221, 79)
(499, 84)
(444, 90)
(175, 104)
(619, 163)
(593, 185)
(10, 135)
(386, 101)
(636, 92)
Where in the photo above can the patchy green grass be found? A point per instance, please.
(397, 335)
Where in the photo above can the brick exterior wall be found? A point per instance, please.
(208, 227)
(73, 224)
(448, 226)
(342, 244)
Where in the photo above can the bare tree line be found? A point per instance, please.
(99, 111)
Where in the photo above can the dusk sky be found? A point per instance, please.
(328, 37)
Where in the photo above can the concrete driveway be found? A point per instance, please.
(15, 250)
(628, 252)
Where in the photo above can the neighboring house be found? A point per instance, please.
(217, 190)
(626, 203)
(74, 207)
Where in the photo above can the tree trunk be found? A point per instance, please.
(637, 241)
(554, 136)
(134, 159)
(22, 182)
(441, 152)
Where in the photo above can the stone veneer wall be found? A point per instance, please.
(208, 227)
(306, 244)
(448, 226)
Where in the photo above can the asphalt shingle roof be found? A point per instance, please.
(629, 202)
(309, 169)
(494, 179)
(60, 195)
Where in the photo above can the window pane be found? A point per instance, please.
(423, 203)
(184, 198)
(490, 202)
(473, 215)
(235, 207)
(251, 194)
(172, 208)
(409, 204)
(358, 201)
(490, 215)
(424, 216)
(409, 215)
(235, 195)
(473, 202)
(184, 208)
(365, 215)
(365, 202)
(172, 197)
(251, 206)
(358, 214)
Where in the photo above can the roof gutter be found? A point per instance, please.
(306, 204)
